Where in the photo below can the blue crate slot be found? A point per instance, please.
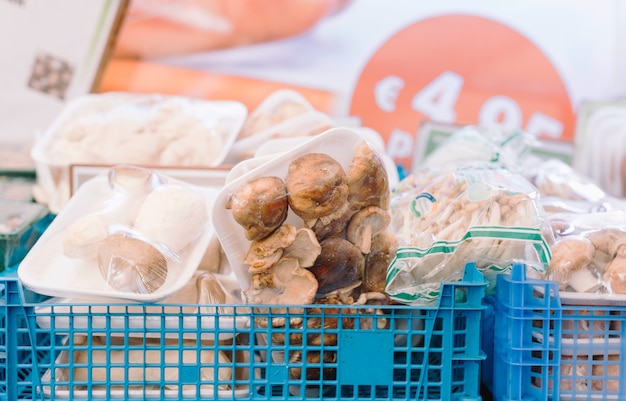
(269, 352)
(545, 350)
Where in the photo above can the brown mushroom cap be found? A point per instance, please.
(365, 224)
(367, 179)
(569, 255)
(607, 240)
(615, 273)
(316, 184)
(377, 262)
(131, 265)
(331, 225)
(339, 265)
(264, 253)
(260, 206)
(305, 248)
(285, 283)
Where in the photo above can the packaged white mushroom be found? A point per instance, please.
(445, 218)
(130, 233)
(125, 128)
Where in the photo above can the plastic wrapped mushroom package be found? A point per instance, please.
(283, 114)
(129, 233)
(139, 129)
(293, 215)
(444, 218)
(587, 256)
(564, 190)
(308, 227)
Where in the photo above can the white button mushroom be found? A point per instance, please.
(172, 215)
(82, 238)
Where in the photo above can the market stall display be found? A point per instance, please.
(311, 250)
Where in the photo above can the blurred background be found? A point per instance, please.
(392, 67)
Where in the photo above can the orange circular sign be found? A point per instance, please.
(460, 69)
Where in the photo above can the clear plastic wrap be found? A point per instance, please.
(279, 221)
(589, 256)
(475, 144)
(283, 114)
(563, 189)
(130, 233)
(309, 227)
(125, 128)
(443, 219)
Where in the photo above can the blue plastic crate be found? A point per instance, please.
(156, 352)
(542, 349)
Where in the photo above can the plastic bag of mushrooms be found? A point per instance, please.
(317, 233)
(587, 256)
(445, 217)
(310, 226)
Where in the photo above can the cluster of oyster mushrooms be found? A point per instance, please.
(342, 249)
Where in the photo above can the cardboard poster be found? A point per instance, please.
(52, 51)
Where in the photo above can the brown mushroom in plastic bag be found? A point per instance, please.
(378, 260)
(367, 179)
(340, 265)
(332, 225)
(265, 252)
(284, 283)
(568, 256)
(366, 224)
(316, 186)
(615, 273)
(260, 206)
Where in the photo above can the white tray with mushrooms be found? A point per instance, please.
(129, 234)
(589, 258)
(301, 198)
(142, 129)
